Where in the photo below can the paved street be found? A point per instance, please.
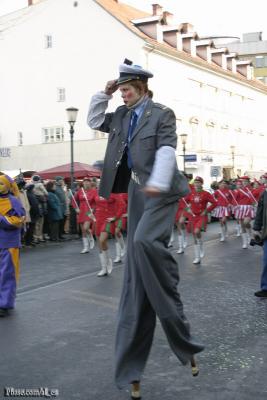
(61, 334)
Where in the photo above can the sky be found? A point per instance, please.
(210, 17)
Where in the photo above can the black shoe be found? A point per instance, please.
(3, 312)
(261, 293)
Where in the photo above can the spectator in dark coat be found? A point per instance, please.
(41, 195)
(34, 214)
(54, 211)
(59, 191)
(260, 236)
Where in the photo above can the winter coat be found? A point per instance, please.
(34, 206)
(54, 208)
(62, 198)
(260, 223)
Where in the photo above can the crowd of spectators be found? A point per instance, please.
(49, 214)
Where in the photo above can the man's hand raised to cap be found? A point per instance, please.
(111, 87)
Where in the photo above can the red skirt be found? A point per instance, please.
(181, 213)
(83, 217)
(245, 211)
(121, 223)
(197, 222)
(221, 212)
(104, 226)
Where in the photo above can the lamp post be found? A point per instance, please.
(183, 137)
(72, 116)
(233, 158)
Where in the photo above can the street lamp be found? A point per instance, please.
(233, 158)
(183, 137)
(72, 116)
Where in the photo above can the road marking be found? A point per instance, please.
(96, 296)
(90, 297)
(23, 291)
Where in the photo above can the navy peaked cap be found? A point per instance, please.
(129, 72)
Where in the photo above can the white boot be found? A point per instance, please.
(85, 246)
(238, 230)
(244, 241)
(171, 239)
(222, 234)
(180, 245)
(201, 248)
(197, 259)
(108, 262)
(103, 271)
(91, 241)
(184, 239)
(122, 245)
(118, 253)
(248, 236)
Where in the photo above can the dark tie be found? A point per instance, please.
(132, 126)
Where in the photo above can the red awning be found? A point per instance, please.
(80, 171)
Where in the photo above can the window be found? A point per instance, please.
(53, 134)
(61, 94)
(48, 41)
(20, 138)
(259, 61)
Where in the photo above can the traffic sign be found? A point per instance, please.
(215, 171)
(190, 157)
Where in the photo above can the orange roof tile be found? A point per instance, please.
(125, 14)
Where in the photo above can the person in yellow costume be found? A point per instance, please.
(12, 216)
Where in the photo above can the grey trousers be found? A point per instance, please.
(149, 289)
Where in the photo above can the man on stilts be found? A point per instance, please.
(140, 157)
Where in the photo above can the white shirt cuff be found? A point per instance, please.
(163, 169)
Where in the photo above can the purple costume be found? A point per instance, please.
(11, 219)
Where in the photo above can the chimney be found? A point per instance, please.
(167, 18)
(219, 58)
(186, 27)
(203, 49)
(32, 2)
(156, 9)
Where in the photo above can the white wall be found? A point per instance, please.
(42, 156)
(88, 45)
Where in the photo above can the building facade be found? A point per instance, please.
(253, 47)
(50, 63)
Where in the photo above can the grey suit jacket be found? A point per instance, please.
(156, 128)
